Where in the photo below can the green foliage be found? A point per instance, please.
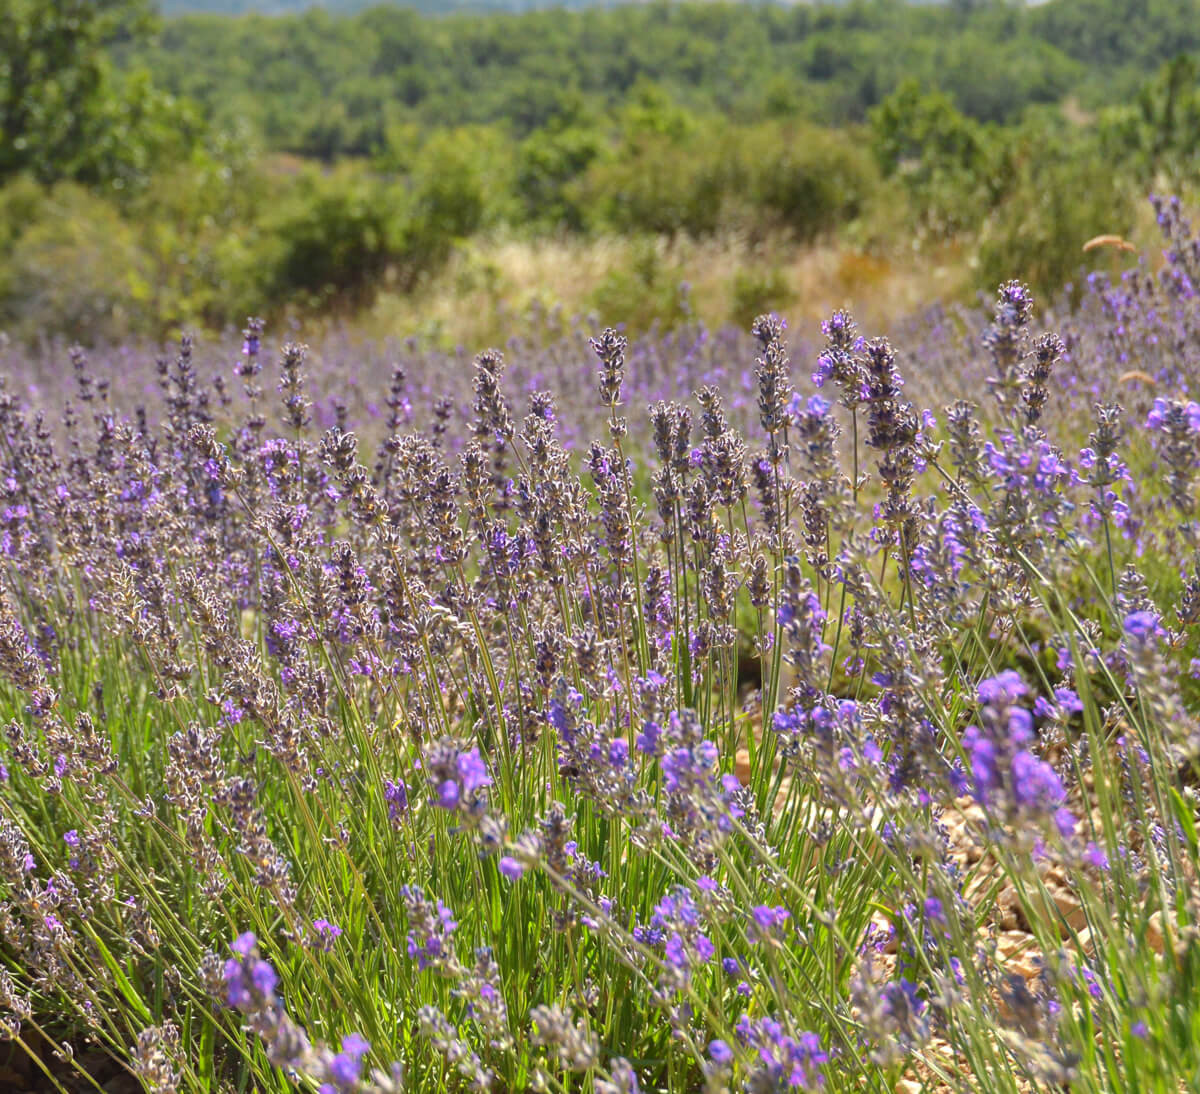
(1120, 40)
(661, 119)
(77, 269)
(649, 293)
(994, 77)
(200, 227)
(22, 202)
(944, 160)
(662, 184)
(460, 181)
(63, 111)
(548, 163)
(334, 234)
(756, 291)
(293, 76)
(921, 132)
(337, 237)
(666, 174)
(1056, 202)
(1160, 131)
(139, 130)
(807, 180)
(709, 176)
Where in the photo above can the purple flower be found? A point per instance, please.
(237, 991)
(458, 777)
(511, 868)
(244, 944)
(1005, 775)
(782, 1060)
(1065, 702)
(396, 796)
(1035, 784)
(766, 922)
(1141, 626)
(1065, 822)
(618, 753)
(327, 933)
(250, 982)
(647, 740)
(1096, 856)
(431, 927)
(1006, 689)
(674, 953)
(346, 1067)
(681, 766)
(264, 978)
(449, 794)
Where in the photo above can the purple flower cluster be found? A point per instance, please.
(430, 931)
(781, 1060)
(672, 719)
(1005, 776)
(250, 981)
(458, 779)
(248, 984)
(677, 929)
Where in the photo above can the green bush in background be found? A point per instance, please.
(269, 165)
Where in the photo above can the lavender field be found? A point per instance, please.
(712, 711)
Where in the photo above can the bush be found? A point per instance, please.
(665, 184)
(801, 179)
(810, 181)
(755, 291)
(945, 161)
(334, 235)
(75, 268)
(549, 162)
(647, 293)
(1055, 205)
(459, 185)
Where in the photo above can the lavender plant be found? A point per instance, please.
(771, 740)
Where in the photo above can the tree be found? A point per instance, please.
(56, 83)
(942, 158)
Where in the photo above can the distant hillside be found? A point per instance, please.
(262, 7)
(426, 7)
(326, 84)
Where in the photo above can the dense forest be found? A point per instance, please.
(290, 7)
(261, 7)
(296, 78)
(224, 165)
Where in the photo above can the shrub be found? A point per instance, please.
(75, 267)
(1055, 204)
(757, 290)
(333, 234)
(808, 181)
(649, 293)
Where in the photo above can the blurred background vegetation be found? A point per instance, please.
(439, 170)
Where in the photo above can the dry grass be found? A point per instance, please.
(491, 285)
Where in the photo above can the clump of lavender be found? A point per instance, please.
(1176, 424)
(771, 372)
(594, 747)
(1004, 775)
(1048, 350)
(841, 362)
(1006, 340)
